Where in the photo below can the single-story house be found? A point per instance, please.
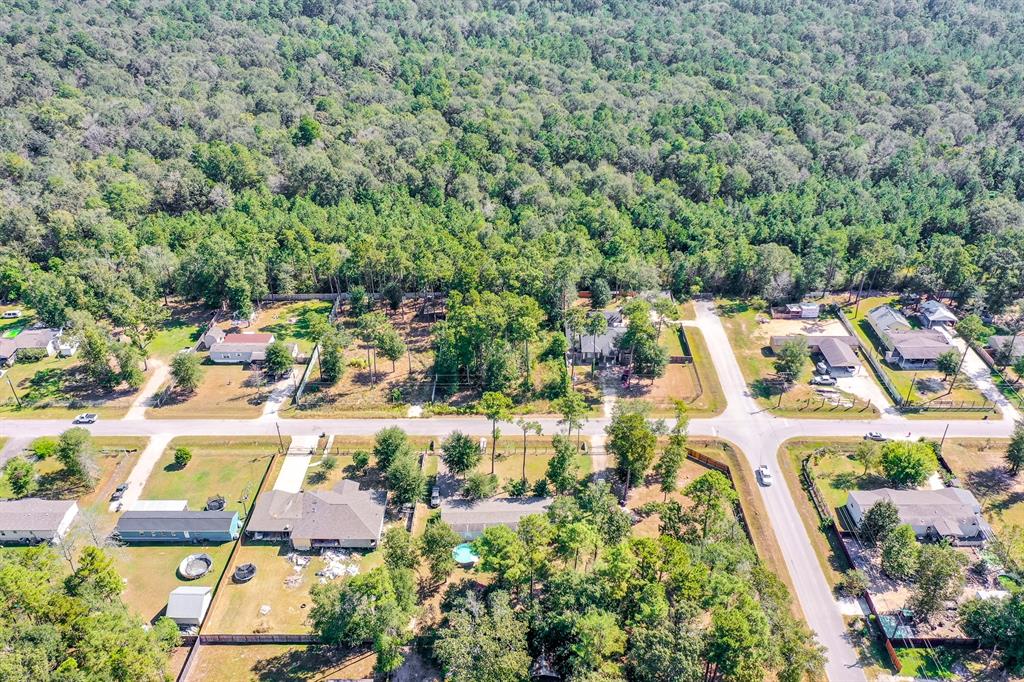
(917, 349)
(343, 517)
(178, 526)
(52, 341)
(470, 518)
(213, 336)
(32, 520)
(244, 348)
(1012, 346)
(187, 605)
(934, 313)
(158, 505)
(837, 351)
(886, 321)
(604, 348)
(948, 513)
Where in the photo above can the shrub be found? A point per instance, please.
(182, 456)
(515, 488)
(29, 355)
(541, 488)
(479, 486)
(328, 462)
(853, 583)
(360, 460)
(44, 447)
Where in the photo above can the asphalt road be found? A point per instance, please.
(756, 432)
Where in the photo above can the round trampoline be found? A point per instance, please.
(464, 555)
(244, 573)
(195, 566)
(215, 504)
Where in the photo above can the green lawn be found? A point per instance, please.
(712, 401)
(231, 467)
(54, 388)
(289, 322)
(282, 662)
(933, 664)
(980, 465)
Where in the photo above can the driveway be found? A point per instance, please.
(161, 372)
(864, 386)
(141, 471)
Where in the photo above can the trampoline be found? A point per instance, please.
(244, 573)
(215, 504)
(464, 555)
(195, 566)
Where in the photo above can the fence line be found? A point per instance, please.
(868, 355)
(724, 469)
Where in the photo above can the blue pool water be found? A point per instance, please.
(464, 554)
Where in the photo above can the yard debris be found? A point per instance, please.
(265, 609)
(299, 561)
(336, 565)
(293, 581)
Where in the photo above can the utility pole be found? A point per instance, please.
(941, 442)
(280, 441)
(14, 392)
(911, 389)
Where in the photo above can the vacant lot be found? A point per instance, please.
(181, 329)
(749, 333)
(224, 391)
(150, 572)
(508, 464)
(980, 465)
(281, 662)
(229, 467)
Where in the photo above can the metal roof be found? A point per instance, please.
(33, 514)
(172, 521)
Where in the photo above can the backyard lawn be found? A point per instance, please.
(508, 465)
(54, 388)
(281, 663)
(289, 322)
(980, 465)
(231, 467)
(150, 572)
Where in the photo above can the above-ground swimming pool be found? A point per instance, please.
(464, 554)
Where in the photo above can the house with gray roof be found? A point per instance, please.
(32, 520)
(178, 526)
(949, 513)
(243, 348)
(886, 320)
(470, 518)
(1005, 348)
(837, 351)
(917, 349)
(602, 349)
(343, 517)
(52, 341)
(935, 313)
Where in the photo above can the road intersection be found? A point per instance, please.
(757, 433)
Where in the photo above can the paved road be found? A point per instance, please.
(756, 432)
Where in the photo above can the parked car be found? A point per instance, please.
(11, 314)
(86, 418)
(823, 380)
(765, 475)
(821, 368)
(119, 492)
(435, 498)
(874, 435)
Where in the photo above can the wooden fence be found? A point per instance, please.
(723, 468)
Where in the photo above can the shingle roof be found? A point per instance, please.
(467, 515)
(164, 521)
(920, 344)
(936, 311)
(29, 338)
(837, 353)
(997, 342)
(344, 513)
(246, 338)
(888, 319)
(949, 510)
(33, 514)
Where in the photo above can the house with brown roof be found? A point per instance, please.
(917, 349)
(343, 517)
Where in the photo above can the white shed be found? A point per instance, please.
(188, 605)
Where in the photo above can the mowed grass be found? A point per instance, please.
(508, 464)
(224, 392)
(150, 572)
(231, 467)
(981, 466)
(56, 388)
(289, 322)
(281, 662)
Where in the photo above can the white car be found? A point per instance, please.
(765, 475)
(86, 418)
(873, 435)
(11, 314)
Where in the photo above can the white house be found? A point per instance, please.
(32, 520)
(187, 605)
(241, 348)
(935, 313)
(52, 341)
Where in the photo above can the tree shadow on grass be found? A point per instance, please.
(315, 662)
(850, 480)
(60, 485)
(990, 482)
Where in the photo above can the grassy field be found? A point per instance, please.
(150, 572)
(281, 663)
(931, 664)
(980, 465)
(749, 340)
(508, 465)
(56, 388)
(231, 467)
(289, 322)
(224, 392)
(181, 329)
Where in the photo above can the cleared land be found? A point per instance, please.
(229, 467)
(224, 392)
(56, 388)
(281, 662)
(750, 337)
(980, 465)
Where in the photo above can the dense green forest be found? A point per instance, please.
(224, 149)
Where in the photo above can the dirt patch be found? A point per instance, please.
(819, 327)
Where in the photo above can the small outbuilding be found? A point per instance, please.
(806, 311)
(935, 313)
(187, 605)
